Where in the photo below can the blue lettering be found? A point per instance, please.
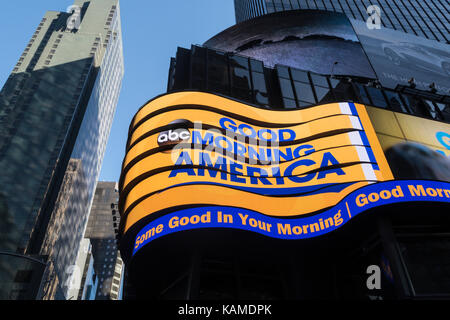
(223, 123)
(309, 149)
(262, 174)
(291, 135)
(273, 135)
(288, 156)
(197, 138)
(234, 173)
(329, 158)
(183, 158)
(221, 164)
(242, 131)
(290, 169)
(259, 155)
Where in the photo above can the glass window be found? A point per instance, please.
(395, 102)
(257, 66)
(445, 110)
(287, 5)
(319, 80)
(218, 71)
(198, 62)
(286, 89)
(299, 75)
(283, 72)
(417, 107)
(324, 95)
(435, 113)
(242, 94)
(361, 94)
(259, 82)
(334, 82)
(259, 88)
(377, 97)
(304, 92)
(240, 78)
(239, 62)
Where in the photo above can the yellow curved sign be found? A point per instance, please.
(193, 148)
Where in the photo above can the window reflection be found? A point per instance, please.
(304, 92)
(218, 72)
(377, 97)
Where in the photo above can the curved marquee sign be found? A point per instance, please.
(237, 166)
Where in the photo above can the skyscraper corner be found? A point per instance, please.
(56, 111)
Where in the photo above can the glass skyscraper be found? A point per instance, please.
(428, 19)
(103, 221)
(56, 111)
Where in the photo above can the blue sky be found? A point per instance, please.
(152, 31)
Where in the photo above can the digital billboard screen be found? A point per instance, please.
(397, 57)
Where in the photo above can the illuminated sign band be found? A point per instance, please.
(194, 149)
(292, 229)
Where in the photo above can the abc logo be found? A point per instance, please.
(174, 136)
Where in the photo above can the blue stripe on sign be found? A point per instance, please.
(365, 140)
(309, 190)
(353, 109)
(300, 228)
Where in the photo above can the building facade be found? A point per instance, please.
(56, 109)
(289, 160)
(427, 19)
(102, 232)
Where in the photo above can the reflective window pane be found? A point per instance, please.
(298, 75)
(257, 66)
(304, 92)
(259, 88)
(286, 88)
(217, 71)
(319, 80)
(304, 104)
(240, 78)
(395, 101)
(283, 72)
(361, 94)
(377, 97)
(289, 104)
(324, 95)
(238, 61)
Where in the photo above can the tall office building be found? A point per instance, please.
(56, 111)
(427, 19)
(101, 231)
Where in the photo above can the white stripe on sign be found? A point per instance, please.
(345, 108)
(368, 171)
(356, 123)
(355, 138)
(362, 154)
